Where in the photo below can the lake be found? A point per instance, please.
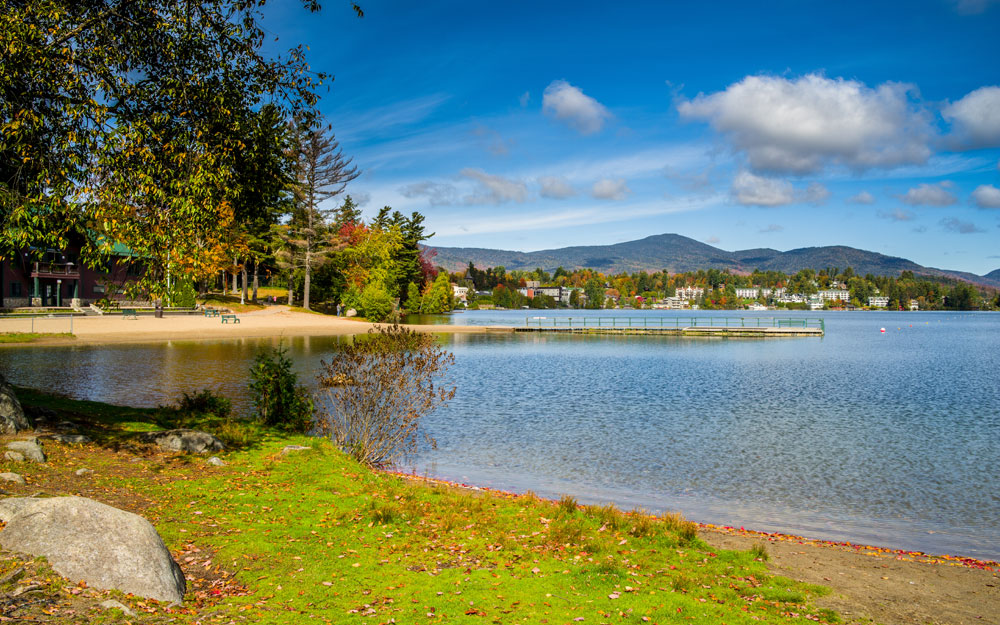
(887, 438)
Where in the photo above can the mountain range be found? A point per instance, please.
(676, 253)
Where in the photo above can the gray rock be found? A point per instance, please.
(190, 441)
(12, 477)
(290, 448)
(216, 461)
(84, 471)
(351, 313)
(83, 539)
(71, 439)
(11, 506)
(29, 449)
(12, 417)
(13, 456)
(111, 604)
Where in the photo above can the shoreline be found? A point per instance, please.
(868, 583)
(903, 555)
(272, 322)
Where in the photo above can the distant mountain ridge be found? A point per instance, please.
(677, 253)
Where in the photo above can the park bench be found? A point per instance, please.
(228, 318)
(129, 313)
(211, 312)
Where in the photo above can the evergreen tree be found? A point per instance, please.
(322, 172)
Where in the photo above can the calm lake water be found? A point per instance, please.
(890, 439)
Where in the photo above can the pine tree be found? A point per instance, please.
(322, 172)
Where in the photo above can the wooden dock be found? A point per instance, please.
(749, 327)
(683, 331)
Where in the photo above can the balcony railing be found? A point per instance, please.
(42, 269)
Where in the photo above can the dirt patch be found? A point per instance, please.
(871, 584)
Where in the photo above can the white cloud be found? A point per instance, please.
(972, 7)
(525, 98)
(815, 193)
(752, 190)
(976, 118)
(437, 193)
(556, 188)
(535, 220)
(986, 196)
(610, 189)
(771, 228)
(899, 214)
(712, 240)
(863, 197)
(962, 227)
(361, 198)
(930, 195)
(569, 104)
(494, 189)
(800, 126)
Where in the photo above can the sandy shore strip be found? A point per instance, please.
(274, 321)
(868, 584)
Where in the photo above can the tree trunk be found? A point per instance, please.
(234, 276)
(243, 293)
(256, 264)
(291, 299)
(305, 285)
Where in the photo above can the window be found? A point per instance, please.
(98, 288)
(15, 289)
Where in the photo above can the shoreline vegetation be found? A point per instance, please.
(278, 537)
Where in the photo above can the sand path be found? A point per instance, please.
(268, 322)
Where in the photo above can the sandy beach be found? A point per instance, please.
(269, 322)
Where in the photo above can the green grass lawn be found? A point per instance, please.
(31, 337)
(311, 536)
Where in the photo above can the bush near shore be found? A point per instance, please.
(313, 536)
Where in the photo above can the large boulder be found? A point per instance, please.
(12, 417)
(29, 449)
(83, 539)
(190, 441)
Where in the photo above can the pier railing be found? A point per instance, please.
(674, 322)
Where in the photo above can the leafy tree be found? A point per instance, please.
(376, 304)
(127, 118)
(412, 298)
(594, 290)
(438, 298)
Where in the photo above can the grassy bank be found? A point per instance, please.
(33, 337)
(278, 537)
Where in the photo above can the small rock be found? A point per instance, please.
(72, 439)
(290, 448)
(12, 477)
(84, 471)
(111, 604)
(29, 449)
(14, 456)
(351, 313)
(190, 441)
(216, 461)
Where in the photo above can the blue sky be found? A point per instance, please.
(535, 125)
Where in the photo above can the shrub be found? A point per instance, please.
(279, 399)
(206, 402)
(376, 304)
(182, 293)
(376, 390)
